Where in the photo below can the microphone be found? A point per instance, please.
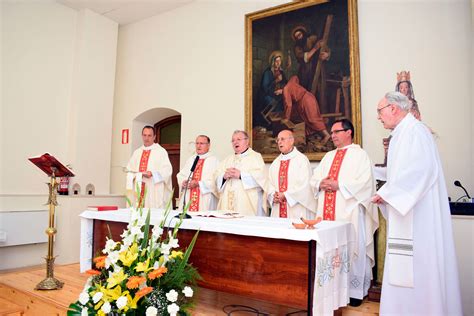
(193, 167)
(458, 184)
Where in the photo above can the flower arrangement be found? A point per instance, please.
(144, 274)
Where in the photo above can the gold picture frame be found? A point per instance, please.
(315, 80)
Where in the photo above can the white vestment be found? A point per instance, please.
(422, 280)
(207, 184)
(356, 188)
(158, 187)
(243, 195)
(299, 197)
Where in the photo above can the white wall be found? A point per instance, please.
(58, 70)
(37, 68)
(90, 118)
(67, 239)
(432, 39)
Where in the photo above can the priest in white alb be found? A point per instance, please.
(201, 187)
(420, 274)
(289, 192)
(241, 179)
(150, 169)
(343, 184)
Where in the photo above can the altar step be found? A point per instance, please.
(18, 297)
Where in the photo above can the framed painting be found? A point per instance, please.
(302, 74)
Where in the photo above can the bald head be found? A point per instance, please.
(285, 141)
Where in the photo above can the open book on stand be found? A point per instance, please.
(217, 214)
(50, 164)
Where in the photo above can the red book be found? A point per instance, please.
(51, 165)
(103, 208)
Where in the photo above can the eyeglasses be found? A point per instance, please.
(338, 130)
(380, 110)
(238, 140)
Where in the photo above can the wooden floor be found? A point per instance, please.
(18, 297)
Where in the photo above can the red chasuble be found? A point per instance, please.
(283, 185)
(142, 168)
(330, 196)
(195, 193)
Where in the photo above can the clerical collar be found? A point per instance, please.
(203, 156)
(289, 155)
(347, 146)
(244, 152)
(148, 147)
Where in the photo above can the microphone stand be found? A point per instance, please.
(193, 167)
(184, 199)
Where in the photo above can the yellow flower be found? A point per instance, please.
(112, 294)
(129, 256)
(143, 266)
(176, 254)
(133, 302)
(98, 305)
(115, 279)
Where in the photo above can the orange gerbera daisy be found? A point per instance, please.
(92, 272)
(100, 261)
(157, 273)
(135, 281)
(143, 292)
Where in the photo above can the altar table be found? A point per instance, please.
(259, 257)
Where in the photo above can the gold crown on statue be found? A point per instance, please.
(403, 76)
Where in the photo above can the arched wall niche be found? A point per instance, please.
(149, 117)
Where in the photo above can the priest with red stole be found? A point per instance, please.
(343, 184)
(201, 192)
(150, 169)
(289, 192)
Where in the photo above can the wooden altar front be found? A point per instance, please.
(279, 271)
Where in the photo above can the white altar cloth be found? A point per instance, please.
(334, 243)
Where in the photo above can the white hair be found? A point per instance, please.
(241, 132)
(398, 99)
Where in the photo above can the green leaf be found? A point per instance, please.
(147, 230)
(74, 309)
(167, 210)
(128, 202)
(189, 250)
(110, 232)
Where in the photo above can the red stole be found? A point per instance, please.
(195, 193)
(142, 168)
(330, 196)
(283, 185)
